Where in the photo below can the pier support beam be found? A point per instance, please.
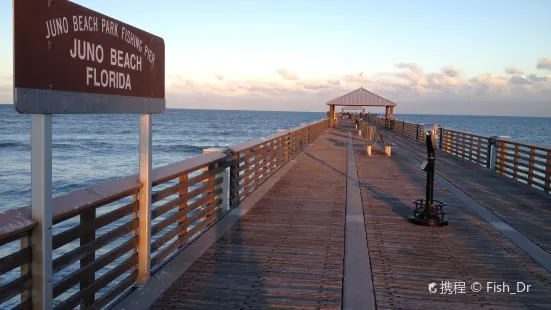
(41, 205)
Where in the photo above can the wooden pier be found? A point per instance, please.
(288, 249)
(303, 219)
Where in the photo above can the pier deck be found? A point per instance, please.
(297, 245)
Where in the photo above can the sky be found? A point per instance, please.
(484, 57)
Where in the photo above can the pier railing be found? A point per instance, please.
(96, 240)
(526, 162)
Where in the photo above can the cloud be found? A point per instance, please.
(415, 90)
(287, 75)
(219, 76)
(544, 63)
(489, 81)
(409, 65)
(513, 70)
(451, 71)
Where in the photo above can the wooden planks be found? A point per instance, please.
(287, 251)
(405, 258)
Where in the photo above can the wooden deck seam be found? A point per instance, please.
(358, 292)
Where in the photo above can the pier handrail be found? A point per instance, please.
(187, 197)
(523, 161)
(468, 146)
(529, 163)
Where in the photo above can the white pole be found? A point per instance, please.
(144, 228)
(41, 201)
(226, 189)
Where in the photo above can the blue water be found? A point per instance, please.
(533, 129)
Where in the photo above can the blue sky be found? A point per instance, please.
(227, 54)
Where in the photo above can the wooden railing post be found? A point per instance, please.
(144, 224)
(26, 268)
(441, 137)
(225, 182)
(515, 161)
(234, 179)
(492, 153)
(86, 217)
(548, 174)
(419, 130)
(212, 189)
(478, 149)
(470, 148)
(183, 205)
(531, 165)
(503, 155)
(224, 175)
(286, 145)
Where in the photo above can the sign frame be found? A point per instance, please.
(52, 76)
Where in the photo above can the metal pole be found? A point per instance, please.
(430, 182)
(144, 235)
(441, 138)
(41, 201)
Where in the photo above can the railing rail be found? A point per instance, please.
(526, 162)
(95, 230)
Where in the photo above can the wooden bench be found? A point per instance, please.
(369, 133)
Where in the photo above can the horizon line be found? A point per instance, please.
(206, 109)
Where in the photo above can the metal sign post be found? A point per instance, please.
(41, 204)
(144, 226)
(71, 60)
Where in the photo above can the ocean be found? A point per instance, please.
(91, 149)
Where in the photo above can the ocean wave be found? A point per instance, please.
(11, 144)
(179, 148)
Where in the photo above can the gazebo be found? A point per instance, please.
(360, 98)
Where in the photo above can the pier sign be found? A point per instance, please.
(70, 59)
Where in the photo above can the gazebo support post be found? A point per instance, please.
(331, 116)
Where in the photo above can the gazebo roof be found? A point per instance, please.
(361, 97)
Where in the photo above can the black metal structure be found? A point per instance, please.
(429, 212)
